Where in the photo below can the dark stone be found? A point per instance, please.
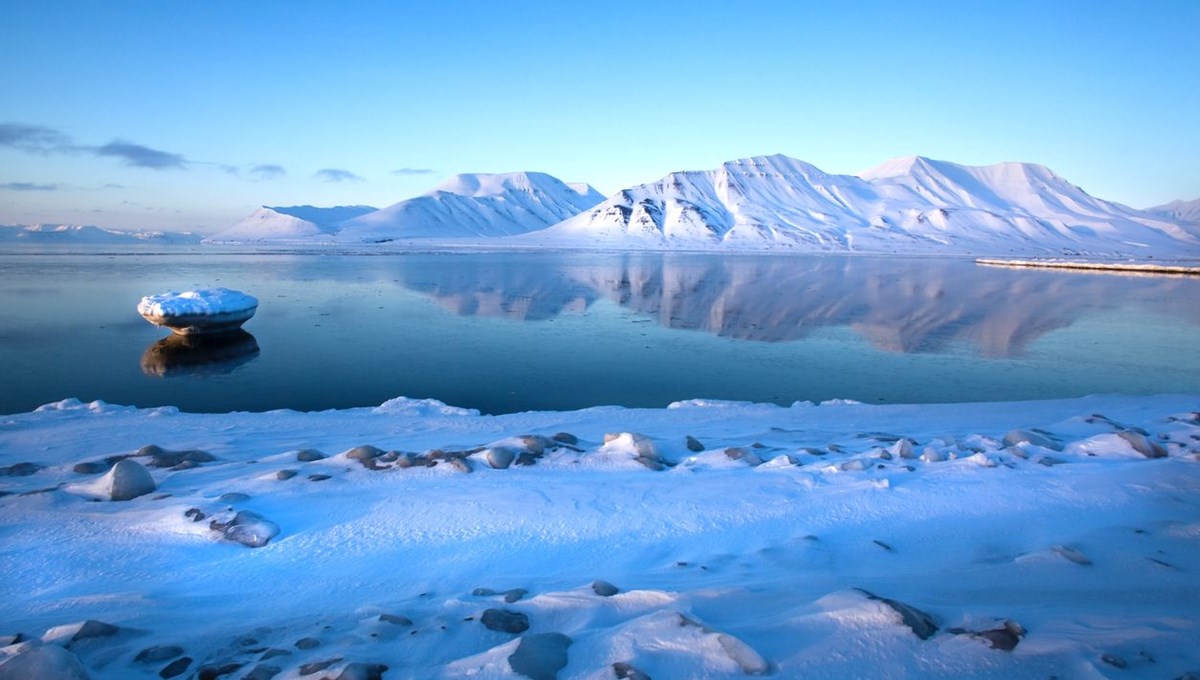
(1113, 660)
(283, 475)
(625, 671)
(233, 497)
(460, 464)
(158, 653)
(309, 455)
(161, 458)
(308, 643)
(396, 619)
(176, 667)
(362, 671)
(1004, 638)
(505, 621)
(540, 656)
(93, 629)
(1143, 445)
(318, 478)
(262, 672)
(1014, 437)
(652, 463)
(694, 444)
(526, 458)
(604, 588)
(318, 666)
(919, 622)
(566, 438)
(511, 596)
(885, 546)
(273, 652)
(92, 467)
(248, 528)
(365, 452)
(194, 514)
(483, 592)
(214, 671)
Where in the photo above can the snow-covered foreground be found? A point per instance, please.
(997, 540)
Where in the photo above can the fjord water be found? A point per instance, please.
(507, 332)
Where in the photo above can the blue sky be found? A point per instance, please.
(188, 115)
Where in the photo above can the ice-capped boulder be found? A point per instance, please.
(199, 312)
(126, 480)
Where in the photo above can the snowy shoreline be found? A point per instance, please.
(789, 541)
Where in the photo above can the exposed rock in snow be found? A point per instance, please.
(126, 480)
(248, 528)
(504, 621)
(920, 623)
(540, 656)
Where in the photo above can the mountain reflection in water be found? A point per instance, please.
(897, 304)
(195, 355)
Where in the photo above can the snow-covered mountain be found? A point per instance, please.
(75, 233)
(475, 205)
(912, 204)
(1184, 211)
(289, 223)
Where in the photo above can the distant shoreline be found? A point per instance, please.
(1094, 266)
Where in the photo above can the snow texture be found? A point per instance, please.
(989, 540)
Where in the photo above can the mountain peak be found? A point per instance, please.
(482, 184)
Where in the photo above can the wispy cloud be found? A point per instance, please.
(28, 186)
(267, 171)
(139, 156)
(414, 171)
(337, 175)
(33, 138)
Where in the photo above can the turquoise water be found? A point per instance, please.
(506, 332)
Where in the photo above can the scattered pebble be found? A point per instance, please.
(248, 528)
(262, 672)
(318, 478)
(362, 671)
(694, 444)
(307, 643)
(566, 438)
(626, 671)
(395, 619)
(283, 475)
(309, 455)
(1071, 554)
(318, 666)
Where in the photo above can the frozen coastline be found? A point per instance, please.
(762, 545)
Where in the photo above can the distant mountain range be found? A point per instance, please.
(1184, 211)
(464, 206)
(911, 205)
(74, 233)
(907, 205)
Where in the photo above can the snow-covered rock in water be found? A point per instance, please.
(126, 480)
(909, 204)
(70, 633)
(43, 662)
(289, 223)
(198, 312)
(474, 205)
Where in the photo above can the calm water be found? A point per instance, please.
(510, 332)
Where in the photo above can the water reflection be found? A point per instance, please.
(897, 305)
(199, 355)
